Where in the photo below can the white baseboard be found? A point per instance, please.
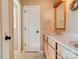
(41, 51)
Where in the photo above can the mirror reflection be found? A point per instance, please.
(60, 16)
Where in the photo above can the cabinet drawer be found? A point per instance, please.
(51, 52)
(52, 43)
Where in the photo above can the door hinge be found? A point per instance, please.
(25, 11)
(24, 44)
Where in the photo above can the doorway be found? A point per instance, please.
(31, 28)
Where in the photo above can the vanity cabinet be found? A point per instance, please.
(65, 53)
(50, 48)
(53, 50)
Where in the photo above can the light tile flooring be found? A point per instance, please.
(29, 56)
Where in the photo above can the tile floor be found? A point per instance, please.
(29, 56)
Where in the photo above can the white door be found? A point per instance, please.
(7, 29)
(31, 28)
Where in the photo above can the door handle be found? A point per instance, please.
(37, 31)
(7, 37)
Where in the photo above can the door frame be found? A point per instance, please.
(0, 30)
(18, 4)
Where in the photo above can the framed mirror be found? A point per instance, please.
(60, 16)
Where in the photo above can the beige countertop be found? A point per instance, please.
(64, 40)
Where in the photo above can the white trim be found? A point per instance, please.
(19, 24)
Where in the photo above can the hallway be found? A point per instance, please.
(29, 56)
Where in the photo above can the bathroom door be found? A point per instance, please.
(7, 29)
(31, 28)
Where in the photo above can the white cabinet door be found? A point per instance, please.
(31, 27)
(53, 43)
(51, 53)
(66, 53)
(51, 47)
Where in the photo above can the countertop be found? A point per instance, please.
(64, 40)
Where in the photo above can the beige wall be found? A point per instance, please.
(47, 14)
(0, 29)
(72, 18)
(0, 18)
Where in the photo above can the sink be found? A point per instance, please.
(74, 44)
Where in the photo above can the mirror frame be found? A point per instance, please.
(62, 29)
